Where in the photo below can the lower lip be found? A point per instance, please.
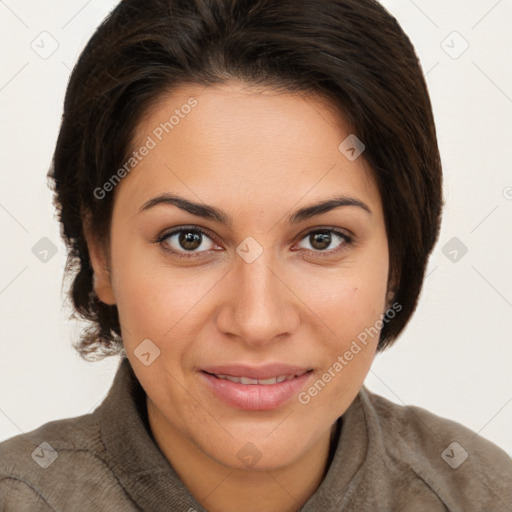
(255, 397)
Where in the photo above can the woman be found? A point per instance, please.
(249, 191)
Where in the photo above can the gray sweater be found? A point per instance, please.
(386, 457)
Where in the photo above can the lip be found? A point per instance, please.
(255, 397)
(256, 372)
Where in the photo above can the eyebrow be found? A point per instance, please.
(217, 215)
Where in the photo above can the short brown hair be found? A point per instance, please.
(352, 52)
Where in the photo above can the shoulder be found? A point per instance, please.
(41, 448)
(460, 466)
(55, 467)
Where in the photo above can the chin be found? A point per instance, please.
(253, 453)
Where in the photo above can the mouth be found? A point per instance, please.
(263, 382)
(241, 388)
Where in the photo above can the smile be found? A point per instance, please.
(264, 382)
(255, 394)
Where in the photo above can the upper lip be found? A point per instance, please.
(256, 372)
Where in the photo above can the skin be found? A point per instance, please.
(259, 155)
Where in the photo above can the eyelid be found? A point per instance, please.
(338, 231)
(167, 234)
(344, 234)
(347, 237)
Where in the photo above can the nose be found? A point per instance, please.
(259, 305)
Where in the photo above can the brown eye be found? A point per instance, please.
(187, 240)
(190, 240)
(320, 241)
(323, 240)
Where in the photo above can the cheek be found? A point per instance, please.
(347, 300)
(157, 301)
(151, 304)
(349, 303)
(350, 312)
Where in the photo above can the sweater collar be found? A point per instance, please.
(133, 455)
(152, 483)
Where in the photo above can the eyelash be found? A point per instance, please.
(348, 240)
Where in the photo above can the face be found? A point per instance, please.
(240, 284)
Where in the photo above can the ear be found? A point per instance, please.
(102, 282)
(392, 289)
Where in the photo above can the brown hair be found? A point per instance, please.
(353, 52)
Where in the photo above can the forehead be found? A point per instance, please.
(261, 143)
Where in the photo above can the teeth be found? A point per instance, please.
(248, 380)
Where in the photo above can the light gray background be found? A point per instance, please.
(455, 358)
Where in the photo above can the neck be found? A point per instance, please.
(220, 488)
